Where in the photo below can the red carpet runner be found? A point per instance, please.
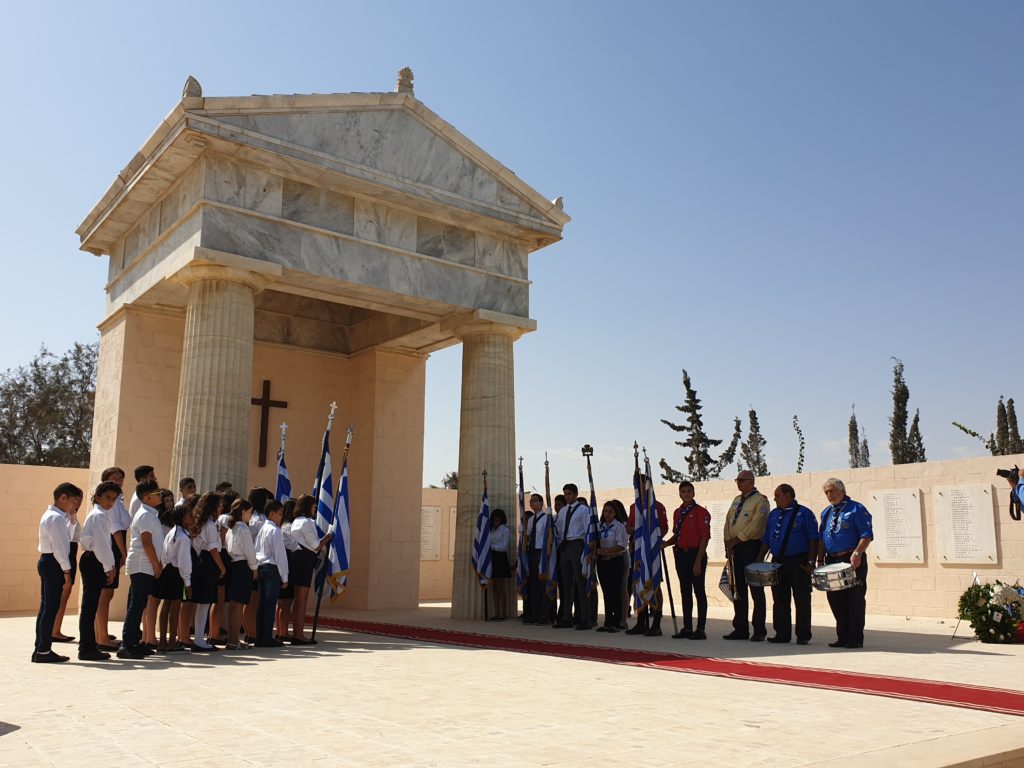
(934, 692)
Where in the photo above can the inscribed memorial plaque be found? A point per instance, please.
(966, 522)
(452, 516)
(430, 534)
(716, 547)
(896, 520)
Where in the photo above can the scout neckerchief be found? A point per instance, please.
(836, 516)
(789, 528)
(682, 518)
(739, 507)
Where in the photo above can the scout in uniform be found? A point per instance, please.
(845, 534)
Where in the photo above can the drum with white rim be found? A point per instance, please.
(762, 574)
(834, 577)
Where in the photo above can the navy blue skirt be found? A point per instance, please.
(240, 580)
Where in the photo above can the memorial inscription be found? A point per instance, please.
(430, 534)
(896, 518)
(965, 517)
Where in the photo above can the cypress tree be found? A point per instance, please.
(752, 448)
(865, 453)
(1015, 444)
(853, 439)
(915, 442)
(1002, 430)
(898, 444)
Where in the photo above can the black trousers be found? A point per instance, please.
(574, 597)
(743, 554)
(270, 588)
(609, 573)
(51, 584)
(536, 605)
(849, 605)
(142, 586)
(93, 581)
(692, 586)
(794, 584)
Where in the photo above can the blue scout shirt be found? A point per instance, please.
(805, 530)
(843, 525)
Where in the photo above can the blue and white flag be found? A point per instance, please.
(646, 541)
(482, 543)
(323, 489)
(341, 544)
(590, 546)
(284, 484)
(522, 560)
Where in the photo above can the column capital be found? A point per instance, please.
(485, 321)
(207, 264)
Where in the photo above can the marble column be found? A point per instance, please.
(487, 441)
(211, 433)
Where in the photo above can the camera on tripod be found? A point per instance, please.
(1013, 475)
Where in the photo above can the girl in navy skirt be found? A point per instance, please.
(206, 543)
(176, 579)
(287, 594)
(243, 567)
(501, 571)
(300, 574)
(187, 610)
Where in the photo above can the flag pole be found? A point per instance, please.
(487, 586)
(591, 554)
(327, 549)
(664, 560)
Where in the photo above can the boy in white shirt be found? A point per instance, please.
(143, 566)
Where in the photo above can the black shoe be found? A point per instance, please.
(613, 630)
(837, 644)
(271, 644)
(778, 639)
(48, 658)
(62, 639)
(107, 648)
(758, 637)
(302, 641)
(699, 635)
(854, 645)
(202, 648)
(654, 631)
(93, 656)
(734, 635)
(603, 628)
(584, 627)
(137, 654)
(683, 634)
(803, 642)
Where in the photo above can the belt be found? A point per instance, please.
(844, 553)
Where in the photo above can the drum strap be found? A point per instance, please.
(789, 530)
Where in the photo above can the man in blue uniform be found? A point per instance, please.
(845, 535)
(791, 535)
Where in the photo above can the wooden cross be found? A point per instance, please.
(265, 404)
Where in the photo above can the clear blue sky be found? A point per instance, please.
(776, 196)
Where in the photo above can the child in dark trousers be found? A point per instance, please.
(54, 566)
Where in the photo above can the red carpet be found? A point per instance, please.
(934, 692)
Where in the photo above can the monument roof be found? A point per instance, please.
(388, 142)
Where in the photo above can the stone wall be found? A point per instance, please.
(926, 589)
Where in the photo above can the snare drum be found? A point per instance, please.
(834, 577)
(762, 574)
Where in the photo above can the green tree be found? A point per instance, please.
(915, 442)
(898, 421)
(860, 455)
(1002, 429)
(1014, 444)
(699, 462)
(46, 408)
(865, 452)
(800, 442)
(1006, 439)
(752, 449)
(451, 481)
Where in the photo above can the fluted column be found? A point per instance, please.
(487, 441)
(211, 433)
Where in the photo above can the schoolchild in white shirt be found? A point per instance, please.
(144, 567)
(209, 569)
(117, 517)
(303, 562)
(242, 552)
(176, 580)
(272, 564)
(54, 567)
(96, 567)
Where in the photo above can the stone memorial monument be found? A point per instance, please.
(271, 254)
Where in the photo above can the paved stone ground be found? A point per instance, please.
(401, 703)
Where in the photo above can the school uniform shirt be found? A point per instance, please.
(270, 549)
(805, 530)
(223, 526)
(74, 529)
(747, 517)
(256, 523)
(133, 510)
(612, 534)
(118, 516)
(289, 541)
(96, 537)
(146, 520)
(691, 525)
(54, 538)
(208, 538)
(844, 524)
(177, 546)
(540, 521)
(500, 538)
(303, 533)
(240, 545)
(573, 522)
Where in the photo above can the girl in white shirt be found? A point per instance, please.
(243, 567)
(304, 533)
(285, 599)
(96, 567)
(209, 570)
(258, 497)
(501, 571)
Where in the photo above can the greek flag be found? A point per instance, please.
(341, 544)
(522, 561)
(322, 492)
(646, 542)
(284, 484)
(482, 543)
(590, 547)
(548, 557)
